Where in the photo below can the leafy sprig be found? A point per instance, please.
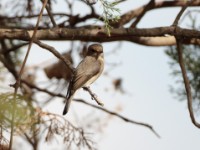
(110, 13)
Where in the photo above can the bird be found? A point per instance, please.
(87, 71)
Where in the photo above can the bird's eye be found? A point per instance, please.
(93, 50)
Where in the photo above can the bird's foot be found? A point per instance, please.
(94, 96)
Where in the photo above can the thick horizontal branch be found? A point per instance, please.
(163, 41)
(98, 34)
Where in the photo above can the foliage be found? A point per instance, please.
(109, 13)
(23, 110)
(191, 56)
(33, 123)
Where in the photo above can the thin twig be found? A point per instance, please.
(180, 13)
(15, 47)
(55, 53)
(187, 83)
(94, 106)
(147, 7)
(183, 70)
(50, 16)
(119, 116)
(16, 85)
(41, 89)
(94, 96)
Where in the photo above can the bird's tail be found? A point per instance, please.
(67, 105)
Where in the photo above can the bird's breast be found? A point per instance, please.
(95, 77)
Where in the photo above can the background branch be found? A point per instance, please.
(127, 17)
(93, 96)
(16, 85)
(51, 16)
(182, 66)
(55, 53)
(187, 84)
(139, 17)
(94, 106)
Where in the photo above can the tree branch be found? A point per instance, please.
(94, 96)
(182, 66)
(127, 17)
(98, 34)
(120, 116)
(14, 48)
(50, 16)
(162, 41)
(94, 106)
(147, 7)
(187, 84)
(180, 13)
(16, 85)
(55, 53)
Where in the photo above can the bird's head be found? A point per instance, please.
(95, 50)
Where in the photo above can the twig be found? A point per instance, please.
(9, 66)
(147, 7)
(33, 16)
(94, 96)
(183, 70)
(41, 89)
(14, 48)
(180, 13)
(50, 16)
(120, 116)
(16, 85)
(187, 83)
(128, 16)
(56, 53)
(94, 106)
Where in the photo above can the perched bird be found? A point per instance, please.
(88, 70)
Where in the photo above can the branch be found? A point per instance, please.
(127, 17)
(16, 85)
(147, 7)
(180, 13)
(9, 66)
(94, 106)
(162, 41)
(15, 47)
(120, 116)
(41, 89)
(183, 70)
(94, 96)
(187, 84)
(55, 53)
(51, 16)
(97, 33)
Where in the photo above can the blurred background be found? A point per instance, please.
(142, 83)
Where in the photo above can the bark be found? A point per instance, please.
(149, 36)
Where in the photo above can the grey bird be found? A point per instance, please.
(88, 70)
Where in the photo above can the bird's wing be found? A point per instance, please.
(88, 68)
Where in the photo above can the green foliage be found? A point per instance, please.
(33, 122)
(191, 55)
(23, 111)
(110, 13)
